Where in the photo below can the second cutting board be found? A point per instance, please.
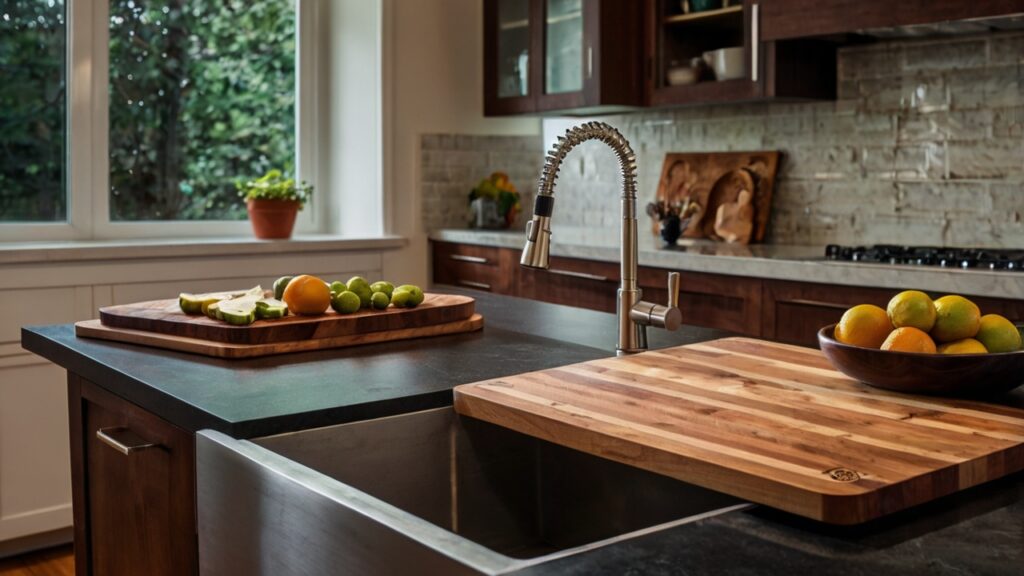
(165, 317)
(770, 423)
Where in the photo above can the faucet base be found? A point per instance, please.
(632, 335)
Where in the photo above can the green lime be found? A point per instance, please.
(401, 298)
(380, 300)
(416, 294)
(279, 285)
(345, 302)
(337, 287)
(357, 282)
(382, 286)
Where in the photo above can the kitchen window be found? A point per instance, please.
(134, 118)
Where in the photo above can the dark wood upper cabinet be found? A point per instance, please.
(770, 70)
(560, 55)
(788, 19)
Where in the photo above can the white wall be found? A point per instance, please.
(434, 49)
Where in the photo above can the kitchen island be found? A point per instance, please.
(979, 531)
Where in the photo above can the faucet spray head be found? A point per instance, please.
(537, 250)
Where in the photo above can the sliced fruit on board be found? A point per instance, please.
(269, 308)
(200, 303)
(239, 312)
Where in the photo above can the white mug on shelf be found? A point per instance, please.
(727, 63)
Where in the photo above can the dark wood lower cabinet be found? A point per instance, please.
(795, 311)
(133, 475)
(780, 310)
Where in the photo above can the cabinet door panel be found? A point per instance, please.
(138, 507)
(510, 46)
(795, 311)
(730, 303)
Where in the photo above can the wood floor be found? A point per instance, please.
(58, 561)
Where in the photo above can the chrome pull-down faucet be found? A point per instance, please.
(634, 314)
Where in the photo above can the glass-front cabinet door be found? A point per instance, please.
(563, 46)
(546, 55)
(565, 50)
(509, 31)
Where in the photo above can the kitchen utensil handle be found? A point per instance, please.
(123, 440)
(673, 289)
(470, 259)
(755, 41)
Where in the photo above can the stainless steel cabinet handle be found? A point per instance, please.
(123, 440)
(470, 259)
(583, 275)
(815, 303)
(471, 284)
(755, 41)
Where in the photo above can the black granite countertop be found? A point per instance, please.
(978, 531)
(258, 397)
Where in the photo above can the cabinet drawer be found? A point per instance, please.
(135, 490)
(469, 266)
(730, 303)
(572, 282)
(795, 311)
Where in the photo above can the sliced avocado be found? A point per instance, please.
(199, 303)
(238, 312)
(269, 308)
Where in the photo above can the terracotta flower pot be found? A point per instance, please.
(272, 219)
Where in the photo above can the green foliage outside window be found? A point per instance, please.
(32, 103)
(201, 92)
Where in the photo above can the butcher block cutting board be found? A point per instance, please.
(162, 324)
(166, 317)
(770, 423)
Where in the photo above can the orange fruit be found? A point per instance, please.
(998, 334)
(956, 318)
(307, 295)
(965, 346)
(864, 325)
(909, 339)
(912, 308)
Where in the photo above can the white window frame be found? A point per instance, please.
(87, 122)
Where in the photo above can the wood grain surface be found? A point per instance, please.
(95, 329)
(694, 174)
(165, 317)
(771, 423)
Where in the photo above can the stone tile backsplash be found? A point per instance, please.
(452, 165)
(924, 145)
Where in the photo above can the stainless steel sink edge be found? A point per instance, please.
(272, 506)
(212, 445)
(520, 564)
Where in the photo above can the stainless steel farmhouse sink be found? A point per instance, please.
(422, 493)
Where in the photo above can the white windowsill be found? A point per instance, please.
(85, 250)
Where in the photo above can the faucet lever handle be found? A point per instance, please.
(673, 289)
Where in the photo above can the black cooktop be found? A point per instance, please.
(1007, 260)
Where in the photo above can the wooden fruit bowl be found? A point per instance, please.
(967, 375)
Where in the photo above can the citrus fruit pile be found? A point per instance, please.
(913, 322)
(310, 296)
(304, 295)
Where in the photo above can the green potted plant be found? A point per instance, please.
(273, 201)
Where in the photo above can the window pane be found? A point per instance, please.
(32, 111)
(202, 93)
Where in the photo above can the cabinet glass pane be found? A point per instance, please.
(563, 46)
(513, 48)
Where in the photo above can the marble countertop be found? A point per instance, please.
(779, 262)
